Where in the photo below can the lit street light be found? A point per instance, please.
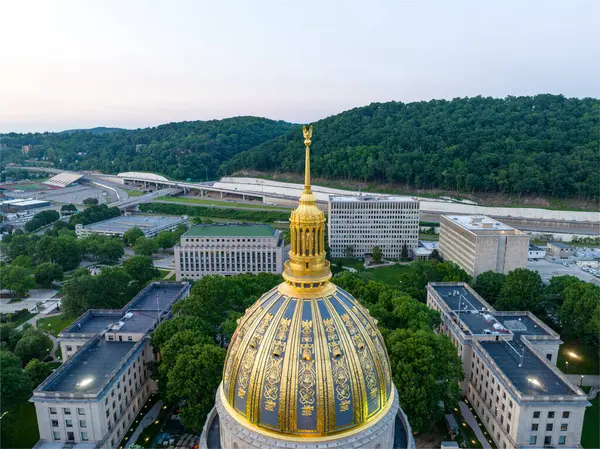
(581, 383)
(566, 367)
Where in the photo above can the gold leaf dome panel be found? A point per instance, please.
(310, 366)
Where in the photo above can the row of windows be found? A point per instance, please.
(551, 414)
(205, 240)
(549, 427)
(70, 436)
(67, 411)
(69, 423)
(548, 440)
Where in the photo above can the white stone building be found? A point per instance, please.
(357, 224)
(229, 249)
(478, 243)
(91, 400)
(511, 379)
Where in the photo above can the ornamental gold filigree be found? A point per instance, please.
(248, 360)
(341, 374)
(367, 365)
(372, 329)
(307, 377)
(235, 344)
(273, 371)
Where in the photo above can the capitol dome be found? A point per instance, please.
(307, 367)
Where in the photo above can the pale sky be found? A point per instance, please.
(135, 63)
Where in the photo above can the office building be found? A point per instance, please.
(150, 225)
(536, 252)
(560, 250)
(478, 243)
(229, 249)
(91, 400)
(357, 224)
(511, 380)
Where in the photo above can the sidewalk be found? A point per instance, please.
(146, 421)
(471, 421)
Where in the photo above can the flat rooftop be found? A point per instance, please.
(521, 324)
(370, 198)
(92, 323)
(95, 361)
(156, 296)
(226, 230)
(145, 222)
(559, 245)
(480, 223)
(532, 369)
(533, 247)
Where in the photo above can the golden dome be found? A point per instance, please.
(307, 360)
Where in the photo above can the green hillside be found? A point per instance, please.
(546, 144)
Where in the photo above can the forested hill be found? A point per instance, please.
(185, 150)
(545, 144)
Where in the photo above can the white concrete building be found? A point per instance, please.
(93, 398)
(511, 379)
(536, 252)
(229, 249)
(478, 243)
(357, 224)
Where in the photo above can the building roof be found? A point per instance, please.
(146, 223)
(429, 244)
(376, 198)
(533, 247)
(63, 179)
(95, 361)
(142, 176)
(531, 368)
(560, 245)
(227, 230)
(422, 251)
(481, 223)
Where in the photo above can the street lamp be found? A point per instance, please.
(566, 367)
(581, 382)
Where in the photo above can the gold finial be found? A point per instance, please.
(307, 142)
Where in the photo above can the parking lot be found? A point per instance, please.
(547, 268)
(72, 195)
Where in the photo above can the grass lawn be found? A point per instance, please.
(585, 363)
(388, 274)
(57, 323)
(133, 193)
(19, 427)
(352, 263)
(163, 272)
(590, 436)
(429, 237)
(179, 199)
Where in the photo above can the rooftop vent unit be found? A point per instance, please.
(128, 315)
(476, 220)
(117, 326)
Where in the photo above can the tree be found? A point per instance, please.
(15, 386)
(144, 246)
(23, 261)
(435, 255)
(141, 269)
(37, 371)
(80, 292)
(16, 279)
(489, 284)
(110, 250)
(48, 272)
(41, 219)
(33, 345)
(522, 290)
(131, 235)
(165, 239)
(90, 201)
(349, 252)
(9, 336)
(377, 254)
(68, 209)
(426, 372)
(404, 251)
(64, 251)
(195, 378)
(580, 312)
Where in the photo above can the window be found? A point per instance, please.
(52, 410)
(67, 411)
(69, 348)
(84, 436)
(56, 435)
(550, 415)
(549, 427)
(563, 427)
(55, 423)
(536, 415)
(130, 338)
(549, 357)
(508, 428)
(562, 439)
(534, 427)
(547, 440)
(82, 423)
(80, 411)
(68, 423)
(566, 415)
(533, 439)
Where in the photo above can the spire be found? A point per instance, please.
(307, 270)
(307, 142)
